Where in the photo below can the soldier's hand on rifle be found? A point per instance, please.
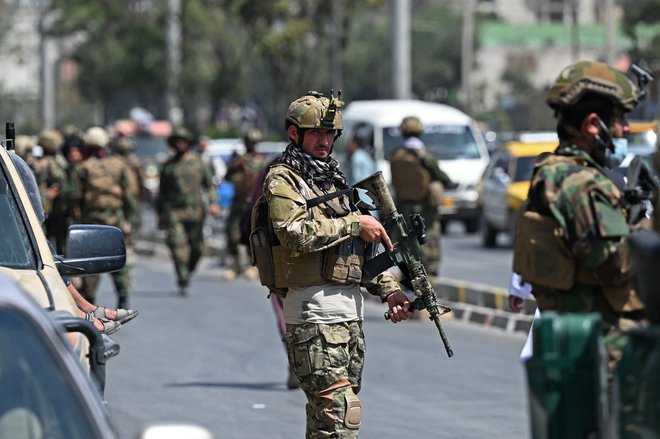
(371, 230)
(399, 305)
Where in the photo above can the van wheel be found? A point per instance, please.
(488, 235)
(472, 225)
(443, 226)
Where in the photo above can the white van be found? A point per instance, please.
(448, 132)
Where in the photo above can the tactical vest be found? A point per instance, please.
(102, 186)
(281, 268)
(410, 178)
(543, 259)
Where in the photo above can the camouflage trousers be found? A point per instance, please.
(233, 230)
(328, 361)
(432, 250)
(185, 240)
(121, 280)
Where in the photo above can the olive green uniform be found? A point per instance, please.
(181, 210)
(413, 172)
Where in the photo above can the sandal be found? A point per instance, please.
(109, 326)
(123, 315)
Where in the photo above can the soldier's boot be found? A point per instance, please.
(183, 287)
(122, 302)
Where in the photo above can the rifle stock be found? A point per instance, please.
(407, 253)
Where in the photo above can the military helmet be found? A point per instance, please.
(411, 126)
(50, 141)
(180, 133)
(592, 77)
(96, 137)
(23, 144)
(122, 144)
(253, 135)
(316, 111)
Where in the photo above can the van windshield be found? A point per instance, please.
(446, 142)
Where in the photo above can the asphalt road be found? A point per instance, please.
(215, 359)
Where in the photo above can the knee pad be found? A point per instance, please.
(353, 411)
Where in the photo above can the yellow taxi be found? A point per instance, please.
(505, 183)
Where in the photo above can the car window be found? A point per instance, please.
(37, 400)
(446, 142)
(16, 249)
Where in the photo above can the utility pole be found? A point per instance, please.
(401, 49)
(337, 68)
(575, 31)
(467, 53)
(46, 70)
(610, 30)
(173, 46)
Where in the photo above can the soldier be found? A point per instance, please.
(24, 146)
(51, 178)
(103, 194)
(571, 237)
(418, 185)
(180, 206)
(242, 172)
(323, 307)
(122, 147)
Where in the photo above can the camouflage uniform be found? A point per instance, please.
(50, 173)
(571, 242)
(122, 147)
(180, 208)
(413, 171)
(104, 198)
(242, 173)
(325, 346)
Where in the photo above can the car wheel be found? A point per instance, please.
(443, 226)
(488, 235)
(472, 225)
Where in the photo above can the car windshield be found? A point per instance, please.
(37, 400)
(15, 245)
(446, 142)
(524, 168)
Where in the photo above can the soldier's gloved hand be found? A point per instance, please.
(399, 305)
(371, 230)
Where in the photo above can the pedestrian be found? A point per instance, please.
(419, 185)
(242, 173)
(361, 163)
(323, 304)
(180, 205)
(571, 237)
(103, 195)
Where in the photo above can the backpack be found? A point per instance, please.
(262, 239)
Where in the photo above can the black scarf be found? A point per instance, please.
(322, 173)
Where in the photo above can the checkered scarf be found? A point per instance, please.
(322, 173)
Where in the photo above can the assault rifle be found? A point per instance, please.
(407, 253)
(640, 189)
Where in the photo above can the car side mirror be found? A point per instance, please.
(92, 249)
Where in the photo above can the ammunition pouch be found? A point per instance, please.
(343, 263)
(541, 255)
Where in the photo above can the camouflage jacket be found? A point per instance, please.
(572, 188)
(243, 172)
(300, 230)
(102, 189)
(182, 180)
(49, 172)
